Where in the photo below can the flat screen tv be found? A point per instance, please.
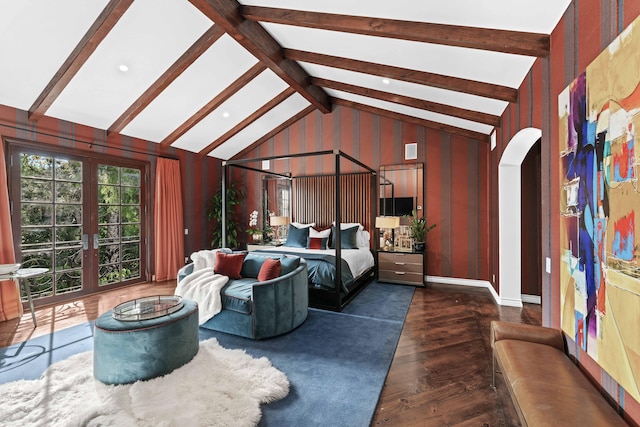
(402, 205)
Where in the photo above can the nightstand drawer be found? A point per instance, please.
(400, 265)
(400, 277)
(408, 258)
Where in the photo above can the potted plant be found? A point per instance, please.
(253, 230)
(419, 229)
(234, 198)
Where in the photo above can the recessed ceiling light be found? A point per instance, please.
(386, 81)
(124, 68)
(225, 114)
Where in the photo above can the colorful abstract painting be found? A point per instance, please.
(599, 115)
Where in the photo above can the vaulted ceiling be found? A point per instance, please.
(218, 77)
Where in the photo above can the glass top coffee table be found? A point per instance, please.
(147, 308)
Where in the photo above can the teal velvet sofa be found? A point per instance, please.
(266, 309)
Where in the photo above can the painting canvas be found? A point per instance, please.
(599, 113)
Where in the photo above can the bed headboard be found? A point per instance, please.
(314, 199)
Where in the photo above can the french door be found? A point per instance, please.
(82, 217)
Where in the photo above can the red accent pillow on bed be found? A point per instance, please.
(229, 264)
(317, 242)
(270, 270)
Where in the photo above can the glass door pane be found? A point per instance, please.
(80, 217)
(51, 215)
(119, 224)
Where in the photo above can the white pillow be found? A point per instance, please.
(301, 225)
(362, 238)
(319, 233)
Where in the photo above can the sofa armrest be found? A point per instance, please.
(185, 271)
(531, 333)
(281, 304)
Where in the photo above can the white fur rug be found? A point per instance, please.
(219, 387)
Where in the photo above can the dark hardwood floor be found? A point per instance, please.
(440, 374)
(441, 371)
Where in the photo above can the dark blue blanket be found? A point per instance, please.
(321, 269)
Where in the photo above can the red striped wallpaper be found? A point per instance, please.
(456, 190)
(587, 27)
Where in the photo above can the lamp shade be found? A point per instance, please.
(387, 221)
(279, 220)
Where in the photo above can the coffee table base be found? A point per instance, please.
(126, 352)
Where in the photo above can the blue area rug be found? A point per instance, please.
(336, 363)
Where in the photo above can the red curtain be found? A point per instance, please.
(10, 305)
(169, 224)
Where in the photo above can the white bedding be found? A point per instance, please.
(359, 260)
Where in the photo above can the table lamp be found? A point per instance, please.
(387, 223)
(277, 222)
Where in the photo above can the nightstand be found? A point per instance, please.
(255, 247)
(405, 268)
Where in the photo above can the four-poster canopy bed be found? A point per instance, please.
(339, 201)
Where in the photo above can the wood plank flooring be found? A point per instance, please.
(440, 374)
(441, 371)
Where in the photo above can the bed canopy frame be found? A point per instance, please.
(332, 299)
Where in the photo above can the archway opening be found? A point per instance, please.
(510, 215)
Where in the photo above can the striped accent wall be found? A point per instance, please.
(587, 27)
(455, 177)
(314, 199)
(200, 177)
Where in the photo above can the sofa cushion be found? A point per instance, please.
(270, 270)
(237, 294)
(229, 265)
(252, 264)
(206, 258)
(289, 263)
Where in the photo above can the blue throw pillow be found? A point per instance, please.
(288, 264)
(348, 238)
(297, 237)
(252, 265)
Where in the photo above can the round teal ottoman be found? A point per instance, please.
(127, 351)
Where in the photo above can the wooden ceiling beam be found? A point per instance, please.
(415, 120)
(487, 90)
(275, 131)
(514, 42)
(227, 93)
(255, 39)
(186, 59)
(247, 121)
(110, 15)
(462, 113)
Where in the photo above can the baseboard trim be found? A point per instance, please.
(477, 284)
(532, 299)
(466, 282)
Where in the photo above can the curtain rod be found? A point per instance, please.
(90, 143)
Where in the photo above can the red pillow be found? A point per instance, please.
(270, 270)
(229, 264)
(317, 243)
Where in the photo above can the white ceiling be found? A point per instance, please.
(37, 37)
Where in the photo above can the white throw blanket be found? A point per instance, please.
(203, 286)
